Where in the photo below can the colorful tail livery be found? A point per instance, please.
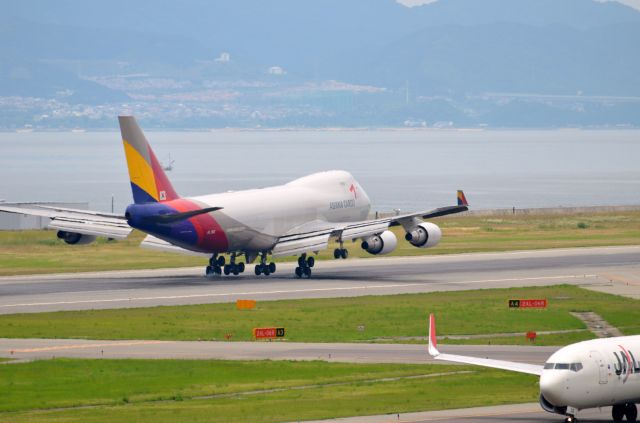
(462, 200)
(148, 181)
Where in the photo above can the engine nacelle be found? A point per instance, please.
(424, 235)
(74, 238)
(384, 243)
(547, 406)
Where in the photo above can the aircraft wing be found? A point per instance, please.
(85, 222)
(315, 236)
(513, 366)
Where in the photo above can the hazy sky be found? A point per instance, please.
(633, 3)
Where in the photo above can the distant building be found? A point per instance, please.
(224, 57)
(21, 222)
(412, 123)
(276, 70)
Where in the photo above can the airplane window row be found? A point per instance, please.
(574, 367)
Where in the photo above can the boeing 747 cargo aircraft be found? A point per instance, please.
(588, 374)
(294, 219)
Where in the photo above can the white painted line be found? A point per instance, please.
(291, 291)
(81, 346)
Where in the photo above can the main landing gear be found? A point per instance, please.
(304, 266)
(340, 253)
(217, 266)
(263, 268)
(628, 410)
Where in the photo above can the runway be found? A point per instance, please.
(609, 269)
(520, 413)
(31, 349)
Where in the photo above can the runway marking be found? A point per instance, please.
(291, 291)
(81, 346)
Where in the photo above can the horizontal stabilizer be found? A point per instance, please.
(85, 222)
(176, 217)
(157, 244)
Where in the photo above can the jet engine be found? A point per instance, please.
(547, 406)
(424, 235)
(74, 238)
(384, 243)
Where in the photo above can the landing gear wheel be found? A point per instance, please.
(241, 267)
(258, 269)
(266, 271)
(344, 253)
(631, 412)
(307, 272)
(272, 267)
(298, 272)
(336, 253)
(227, 270)
(617, 412)
(235, 270)
(301, 261)
(217, 269)
(221, 261)
(311, 261)
(209, 271)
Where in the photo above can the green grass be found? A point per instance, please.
(545, 339)
(164, 390)
(28, 252)
(337, 319)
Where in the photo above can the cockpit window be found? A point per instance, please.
(574, 367)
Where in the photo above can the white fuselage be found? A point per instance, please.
(253, 219)
(594, 373)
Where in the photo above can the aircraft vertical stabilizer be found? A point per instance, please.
(149, 183)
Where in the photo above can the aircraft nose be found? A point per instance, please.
(553, 387)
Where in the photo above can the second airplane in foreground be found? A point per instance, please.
(297, 218)
(588, 374)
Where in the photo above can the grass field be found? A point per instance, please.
(385, 318)
(27, 252)
(172, 390)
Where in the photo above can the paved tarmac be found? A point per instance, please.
(30, 349)
(520, 413)
(609, 269)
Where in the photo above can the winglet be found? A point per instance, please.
(433, 343)
(462, 200)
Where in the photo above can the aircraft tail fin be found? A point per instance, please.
(462, 200)
(149, 183)
(433, 343)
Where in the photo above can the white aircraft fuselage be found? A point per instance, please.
(589, 374)
(593, 373)
(252, 220)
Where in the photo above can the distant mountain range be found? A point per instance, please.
(320, 63)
